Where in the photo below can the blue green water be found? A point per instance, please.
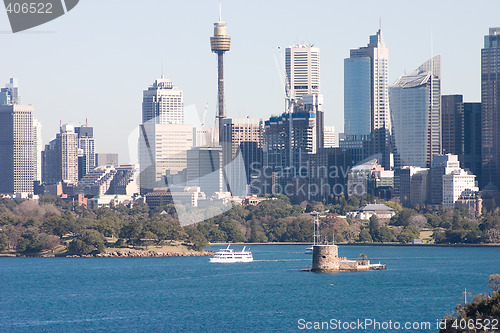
(189, 294)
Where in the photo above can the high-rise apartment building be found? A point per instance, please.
(366, 97)
(86, 143)
(16, 149)
(302, 65)
(67, 144)
(37, 150)
(60, 157)
(490, 104)
(163, 102)
(416, 112)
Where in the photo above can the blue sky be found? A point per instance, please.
(95, 61)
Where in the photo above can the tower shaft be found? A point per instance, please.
(221, 114)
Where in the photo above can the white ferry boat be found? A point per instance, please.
(228, 255)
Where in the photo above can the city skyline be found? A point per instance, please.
(122, 69)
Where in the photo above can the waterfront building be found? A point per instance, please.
(366, 97)
(163, 103)
(16, 149)
(379, 210)
(490, 104)
(416, 111)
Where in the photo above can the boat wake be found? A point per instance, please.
(276, 260)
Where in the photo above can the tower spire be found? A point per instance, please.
(220, 10)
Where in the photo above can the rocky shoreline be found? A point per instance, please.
(115, 254)
(142, 254)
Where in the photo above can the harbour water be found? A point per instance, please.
(271, 294)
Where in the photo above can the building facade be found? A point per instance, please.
(366, 96)
(452, 124)
(163, 102)
(490, 104)
(302, 66)
(162, 150)
(416, 112)
(86, 143)
(17, 165)
(330, 140)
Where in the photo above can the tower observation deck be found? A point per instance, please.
(220, 43)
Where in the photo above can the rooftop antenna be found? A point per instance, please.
(162, 76)
(203, 116)
(220, 10)
(86, 122)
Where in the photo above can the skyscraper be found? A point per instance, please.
(10, 94)
(16, 149)
(67, 144)
(452, 124)
(472, 139)
(416, 112)
(60, 157)
(366, 96)
(86, 143)
(329, 137)
(490, 104)
(37, 149)
(162, 151)
(163, 102)
(302, 65)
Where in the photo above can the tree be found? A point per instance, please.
(385, 235)
(88, 242)
(4, 242)
(363, 256)
(364, 236)
(374, 228)
(198, 241)
(408, 234)
(494, 282)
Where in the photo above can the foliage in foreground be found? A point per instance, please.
(485, 308)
